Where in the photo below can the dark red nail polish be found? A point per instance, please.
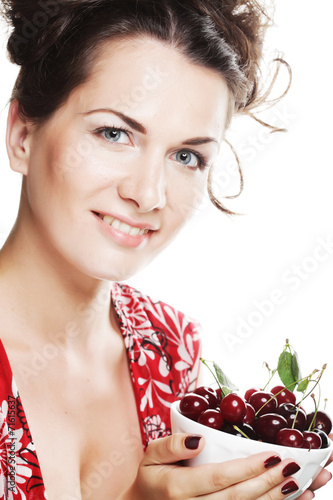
(192, 442)
(290, 469)
(289, 488)
(271, 461)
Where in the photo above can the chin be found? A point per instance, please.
(117, 265)
(110, 271)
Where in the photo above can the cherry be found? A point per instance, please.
(324, 438)
(249, 393)
(192, 405)
(250, 415)
(289, 437)
(219, 395)
(233, 408)
(245, 428)
(293, 414)
(209, 393)
(311, 440)
(283, 395)
(211, 418)
(322, 422)
(263, 402)
(267, 426)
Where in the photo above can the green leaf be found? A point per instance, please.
(295, 366)
(285, 370)
(302, 386)
(224, 381)
(225, 391)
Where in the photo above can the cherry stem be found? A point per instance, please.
(271, 373)
(289, 347)
(290, 385)
(315, 413)
(317, 381)
(211, 371)
(239, 430)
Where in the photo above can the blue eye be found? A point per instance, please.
(114, 135)
(190, 159)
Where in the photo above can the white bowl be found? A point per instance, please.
(220, 447)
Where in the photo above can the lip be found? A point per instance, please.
(130, 222)
(121, 238)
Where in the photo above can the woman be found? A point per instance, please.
(116, 118)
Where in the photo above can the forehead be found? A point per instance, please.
(145, 79)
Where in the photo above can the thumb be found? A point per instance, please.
(173, 448)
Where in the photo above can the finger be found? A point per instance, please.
(173, 449)
(266, 486)
(282, 491)
(321, 480)
(307, 495)
(330, 460)
(215, 477)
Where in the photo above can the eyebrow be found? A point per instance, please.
(197, 141)
(130, 122)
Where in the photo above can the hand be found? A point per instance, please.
(161, 475)
(320, 480)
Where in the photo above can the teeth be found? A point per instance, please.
(116, 224)
(108, 220)
(135, 231)
(123, 227)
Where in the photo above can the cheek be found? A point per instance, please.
(187, 193)
(51, 183)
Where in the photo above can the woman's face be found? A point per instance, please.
(116, 172)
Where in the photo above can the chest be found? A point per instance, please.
(85, 429)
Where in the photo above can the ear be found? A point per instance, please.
(18, 140)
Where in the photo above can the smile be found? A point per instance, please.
(122, 226)
(131, 234)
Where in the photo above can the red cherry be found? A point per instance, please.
(289, 437)
(267, 426)
(295, 416)
(233, 408)
(283, 395)
(245, 428)
(311, 440)
(263, 402)
(250, 415)
(324, 438)
(249, 393)
(211, 418)
(219, 395)
(209, 393)
(192, 405)
(323, 422)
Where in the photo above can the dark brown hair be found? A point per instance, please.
(56, 41)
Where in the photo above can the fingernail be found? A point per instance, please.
(289, 488)
(192, 442)
(271, 461)
(290, 469)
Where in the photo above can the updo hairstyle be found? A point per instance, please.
(56, 43)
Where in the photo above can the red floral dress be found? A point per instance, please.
(163, 349)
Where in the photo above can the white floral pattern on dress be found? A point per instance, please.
(163, 347)
(20, 477)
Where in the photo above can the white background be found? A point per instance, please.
(221, 269)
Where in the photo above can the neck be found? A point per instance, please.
(52, 298)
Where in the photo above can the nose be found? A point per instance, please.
(144, 183)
